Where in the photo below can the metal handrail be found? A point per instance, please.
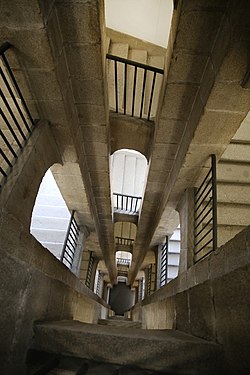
(70, 242)
(124, 241)
(205, 214)
(17, 120)
(89, 270)
(164, 264)
(136, 93)
(123, 261)
(128, 204)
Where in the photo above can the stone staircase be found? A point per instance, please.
(167, 351)
(233, 185)
(131, 48)
(120, 321)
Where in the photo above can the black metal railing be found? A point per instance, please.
(135, 96)
(149, 279)
(205, 215)
(16, 121)
(70, 243)
(164, 264)
(141, 289)
(124, 241)
(123, 262)
(99, 283)
(127, 204)
(90, 270)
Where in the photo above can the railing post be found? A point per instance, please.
(214, 191)
(67, 236)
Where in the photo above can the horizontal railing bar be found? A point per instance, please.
(124, 195)
(135, 63)
(4, 47)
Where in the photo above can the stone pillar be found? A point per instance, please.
(83, 235)
(186, 212)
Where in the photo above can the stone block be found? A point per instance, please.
(217, 263)
(182, 312)
(79, 21)
(202, 271)
(91, 114)
(55, 304)
(229, 97)
(169, 129)
(84, 61)
(197, 30)
(232, 301)
(202, 311)
(187, 67)
(27, 16)
(53, 29)
(96, 148)
(88, 91)
(165, 150)
(98, 164)
(14, 280)
(217, 127)
(237, 256)
(178, 100)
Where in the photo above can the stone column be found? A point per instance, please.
(186, 212)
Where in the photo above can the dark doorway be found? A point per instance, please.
(121, 299)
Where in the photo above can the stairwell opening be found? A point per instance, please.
(50, 216)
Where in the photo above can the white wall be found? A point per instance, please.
(145, 19)
(128, 172)
(50, 217)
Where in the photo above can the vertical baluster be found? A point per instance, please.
(151, 95)
(143, 91)
(134, 89)
(116, 88)
(125, 88)
(214, 194)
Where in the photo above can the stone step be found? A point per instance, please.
(233, 214)
(227, 232)
(233, 193)
(237, 152)
(79, 366)
(233, 172)
(120, 323)
(121, 50)
(158, 350)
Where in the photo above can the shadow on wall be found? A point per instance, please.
(122, 298)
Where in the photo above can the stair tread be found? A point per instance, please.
(139, 347)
